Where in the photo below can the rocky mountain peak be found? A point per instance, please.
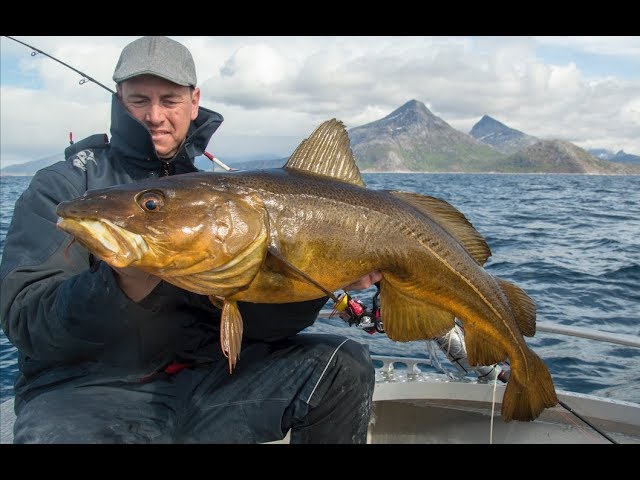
(488, 124)
(412, 138)
(412, 114)
(504, 139)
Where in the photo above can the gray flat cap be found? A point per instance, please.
(158, 56)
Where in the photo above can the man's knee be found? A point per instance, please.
(348, 367)
(355, 363)
(339, 407)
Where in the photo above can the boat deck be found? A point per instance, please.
(415, 404)
(416, 407)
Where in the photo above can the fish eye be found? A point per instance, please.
(151, 201)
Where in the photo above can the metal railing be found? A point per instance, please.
(581, 332)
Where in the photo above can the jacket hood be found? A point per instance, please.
(131, 140)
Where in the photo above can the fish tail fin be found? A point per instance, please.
(231, 332)
(525, 398)
(522, 306)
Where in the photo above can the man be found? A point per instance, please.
(110, 355)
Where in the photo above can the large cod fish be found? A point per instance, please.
(311, 227)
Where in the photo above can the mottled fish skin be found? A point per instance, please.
(211, 233)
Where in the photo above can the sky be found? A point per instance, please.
(274, 90)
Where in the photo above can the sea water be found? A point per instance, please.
(572, 242)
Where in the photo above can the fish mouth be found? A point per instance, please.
(115, 245)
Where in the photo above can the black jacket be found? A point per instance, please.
(63, 309)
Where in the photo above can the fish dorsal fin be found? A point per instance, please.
(522, 306)
(452, 220)
(327, 152)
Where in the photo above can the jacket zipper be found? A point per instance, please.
(166, 171)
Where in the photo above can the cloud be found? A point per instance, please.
(285, 86)
(620, 46)
(26, 137)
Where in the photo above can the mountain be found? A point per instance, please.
(413, 139)
(601, 153)
(499, 136)
(619, 157)
(259, 164)
(622, 157)
(27, 169)
(530, 154)
(558, 156)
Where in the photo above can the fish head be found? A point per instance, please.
(166, 227)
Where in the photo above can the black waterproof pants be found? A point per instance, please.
(318, 386)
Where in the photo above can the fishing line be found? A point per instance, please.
(579, 426)
(84, 75)
(493, 408)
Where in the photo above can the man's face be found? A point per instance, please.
(165, 108)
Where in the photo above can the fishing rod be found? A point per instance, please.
(86, 78)
(570, 410)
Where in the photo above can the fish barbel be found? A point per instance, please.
(247, 236)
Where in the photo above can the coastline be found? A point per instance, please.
(405, 172)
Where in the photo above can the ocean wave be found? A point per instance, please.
(627, 272)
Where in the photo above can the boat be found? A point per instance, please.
(415, 402)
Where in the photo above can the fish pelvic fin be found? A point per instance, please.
(527, 396)
(217, 301)
(522, 306)
(450, 219)
(327, 152)
(230, 332)
(406, 319)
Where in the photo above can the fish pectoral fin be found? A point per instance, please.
(231, 332)
(452, 220)
(406, 319)
(522, 306)
(274, 253)
(482, 349)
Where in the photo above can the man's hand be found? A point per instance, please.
(135, 283)
(365, 282)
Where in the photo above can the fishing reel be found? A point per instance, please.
(355, 312)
